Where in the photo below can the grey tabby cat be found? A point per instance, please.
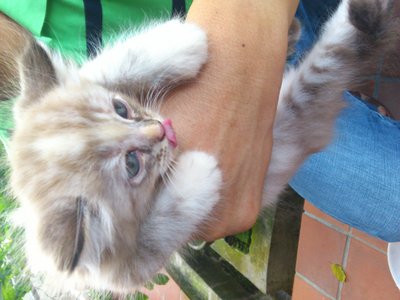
(88, 156)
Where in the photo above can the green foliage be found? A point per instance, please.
(160, 279)
(149, 286)
(93, 295)
(240, 241)
(14, 283)
(3, 169)
(137, 296)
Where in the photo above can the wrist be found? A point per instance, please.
(247, 53)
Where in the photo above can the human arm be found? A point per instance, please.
(229, 110)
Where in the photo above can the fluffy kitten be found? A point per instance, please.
(88, 156)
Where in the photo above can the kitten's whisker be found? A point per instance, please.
(172, 165)
(167, 179)
(151, 98)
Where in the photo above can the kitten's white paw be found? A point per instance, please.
(199, 179)
(184, 47)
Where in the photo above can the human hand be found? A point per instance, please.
(229, 109)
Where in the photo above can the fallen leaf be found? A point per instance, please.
(338, 272)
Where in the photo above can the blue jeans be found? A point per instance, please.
(356, 179)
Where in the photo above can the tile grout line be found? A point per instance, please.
(369, 244)
(340, 230)
(315, 286)
(344, 262)
(336, 228)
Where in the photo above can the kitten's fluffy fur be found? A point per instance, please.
(85, 218)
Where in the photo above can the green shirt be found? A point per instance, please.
(62, 25)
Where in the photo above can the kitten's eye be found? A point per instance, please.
(132, 164)
(120, 108)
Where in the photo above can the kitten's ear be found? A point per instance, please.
(62, 233)
(37, 73)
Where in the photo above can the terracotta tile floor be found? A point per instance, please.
(319, 247)
(324, 242)
(368, 274)
(304, 290)
(316, 212)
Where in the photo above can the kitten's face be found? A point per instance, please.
(90, 141)
(86, 165)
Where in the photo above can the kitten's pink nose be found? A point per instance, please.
(154, 131)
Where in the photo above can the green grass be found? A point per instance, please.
(14, 283)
